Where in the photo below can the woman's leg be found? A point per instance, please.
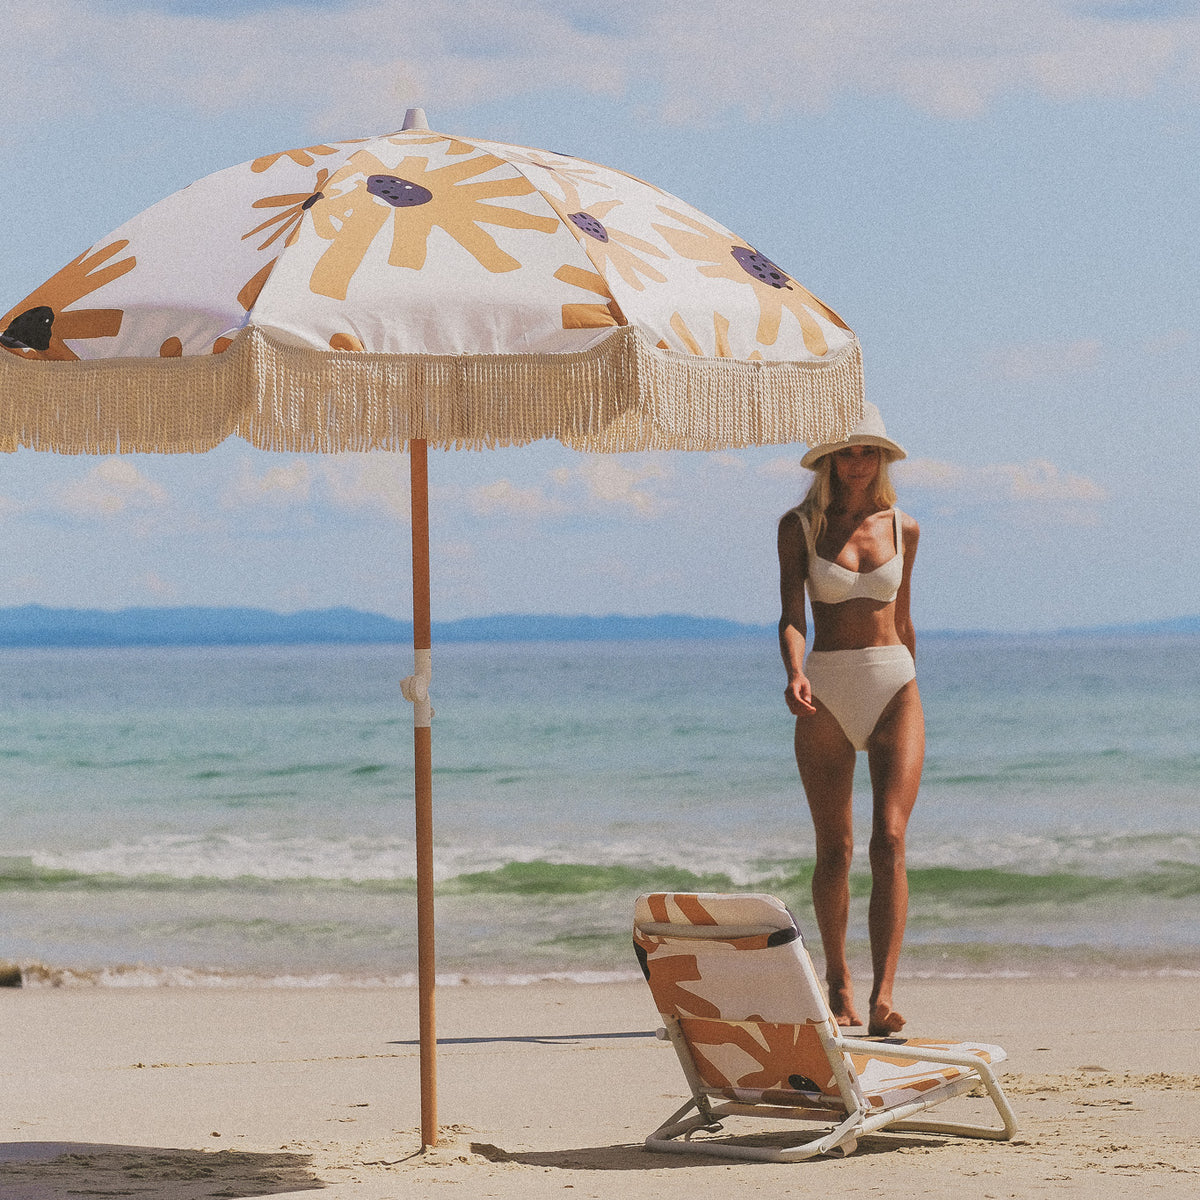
(826, 761)
(896, 753)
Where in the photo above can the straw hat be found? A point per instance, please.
(868, 432)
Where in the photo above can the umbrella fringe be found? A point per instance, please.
(623, 394)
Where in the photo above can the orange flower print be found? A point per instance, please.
(249, 294)
(454, 145)
(568, 173)
(579, 168)
(666, 975)
(789, 1057)
(609, 247)
(726, 258)
(592, 315)
(417, 198)
(691, 343)
(38, 327)
(303, 157)
(294, 206)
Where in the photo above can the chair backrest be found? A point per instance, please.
(734, 971)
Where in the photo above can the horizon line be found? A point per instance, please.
(62, 627)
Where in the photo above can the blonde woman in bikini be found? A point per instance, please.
(857, 690)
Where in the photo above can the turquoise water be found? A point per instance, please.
(221, 816)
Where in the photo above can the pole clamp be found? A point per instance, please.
(415, 687)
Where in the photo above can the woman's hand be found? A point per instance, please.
(798, 695)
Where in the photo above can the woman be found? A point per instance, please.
(857, 690)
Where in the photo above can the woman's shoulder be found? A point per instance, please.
(793, 535)
(908, 525)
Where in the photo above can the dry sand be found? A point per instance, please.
(182, 1094)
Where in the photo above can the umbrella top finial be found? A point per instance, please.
(415, 119)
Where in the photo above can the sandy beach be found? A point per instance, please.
(182, 1093)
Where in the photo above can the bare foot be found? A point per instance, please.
(885, 1020)
(841, 1004)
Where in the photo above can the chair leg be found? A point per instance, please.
(676, 1126)
(841, 1140)
(995, 1092)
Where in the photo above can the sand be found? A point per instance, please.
(188, 1093)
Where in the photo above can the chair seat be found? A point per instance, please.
(890, 1081)
(885, 1080)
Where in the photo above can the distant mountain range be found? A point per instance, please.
(34, 625)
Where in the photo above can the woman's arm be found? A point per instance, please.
(793, 569)
(910, 531)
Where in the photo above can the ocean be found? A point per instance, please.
(243, 816)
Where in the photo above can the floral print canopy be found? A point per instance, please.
(420, 285)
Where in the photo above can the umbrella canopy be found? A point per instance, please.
(419, 288)
(361, 294)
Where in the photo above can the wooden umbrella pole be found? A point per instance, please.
(423, 769)
(418, 458)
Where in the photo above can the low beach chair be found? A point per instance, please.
(747, 1015)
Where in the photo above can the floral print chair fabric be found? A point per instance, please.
(747, 1015)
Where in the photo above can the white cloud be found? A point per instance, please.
(355, 68)
(503, 498)
(275, 487)
(786, 466)
(1041, 480)
(374, 482)
(111, 488)
(350, 70)
(1041, 360)
(610, 481)
(725, 461)
(597, 480)
(1037, 481)
(930, 473)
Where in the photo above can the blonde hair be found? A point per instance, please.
(820, 493)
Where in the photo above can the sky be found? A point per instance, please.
(1000, 196)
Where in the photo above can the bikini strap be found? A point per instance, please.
(899, 532)
(808, 537)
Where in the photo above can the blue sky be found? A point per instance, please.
(1001, 198)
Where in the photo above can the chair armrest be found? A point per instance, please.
(935, 1054)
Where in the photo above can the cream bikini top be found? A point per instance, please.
(830, 583)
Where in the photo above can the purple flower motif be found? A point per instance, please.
(760, 267)
(399, 193)
(590, 226)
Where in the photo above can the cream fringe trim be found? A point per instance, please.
(623, 394)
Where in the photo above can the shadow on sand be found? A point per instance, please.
(635, 1157)
(537, 1039)
(66, 1170)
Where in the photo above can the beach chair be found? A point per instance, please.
(747, 1016)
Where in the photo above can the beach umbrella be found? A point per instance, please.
(415, 289)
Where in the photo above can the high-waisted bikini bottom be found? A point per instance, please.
(856, 685)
